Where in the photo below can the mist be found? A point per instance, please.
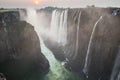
(76, 42)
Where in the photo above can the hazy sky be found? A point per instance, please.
(59, 3)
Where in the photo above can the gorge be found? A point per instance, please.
(92, 40)
(72, 43)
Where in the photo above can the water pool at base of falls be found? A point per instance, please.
(57, 70)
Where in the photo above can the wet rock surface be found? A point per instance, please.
(20, 53)
(104, 45)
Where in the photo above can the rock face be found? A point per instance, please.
(104, 43)
(100, 53)
(20, 53)
(116, 69)
(7, 17)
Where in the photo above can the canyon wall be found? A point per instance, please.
(92, 40)
(20, 53)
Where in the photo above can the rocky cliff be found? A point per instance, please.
(20, 53)
(9, 17)
(92, 40)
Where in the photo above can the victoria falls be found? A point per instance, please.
(54, 43)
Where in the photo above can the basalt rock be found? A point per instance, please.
(9, 17)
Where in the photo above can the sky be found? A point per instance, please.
(59, 3)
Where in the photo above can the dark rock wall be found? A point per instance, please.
(9, 17)
(104, 46)
(20, 53)
(116, 69)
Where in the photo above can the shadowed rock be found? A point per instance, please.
(20, 53)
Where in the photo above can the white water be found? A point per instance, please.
(57, 70)
(34, 20)
(59, 26)
(77, 36)
(87, 59)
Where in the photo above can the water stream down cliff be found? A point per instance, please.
(57, 69)
(85, 41)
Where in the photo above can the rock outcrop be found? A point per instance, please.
(20, 53)
(9, 17)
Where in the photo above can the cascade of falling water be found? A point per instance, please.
(87, 59)
(59, 26)
(77, 36)
(57, 71)
(54, 24)
(32, 19)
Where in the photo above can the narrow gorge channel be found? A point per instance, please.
(57, 69)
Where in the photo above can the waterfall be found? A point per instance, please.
(77, 37)
(59, 26)
(33, 19)
(87, 59)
